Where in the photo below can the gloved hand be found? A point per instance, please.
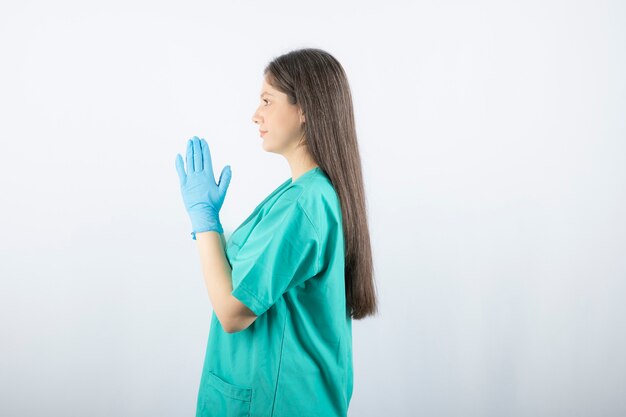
(202, 197)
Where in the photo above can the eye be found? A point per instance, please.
(265, 100)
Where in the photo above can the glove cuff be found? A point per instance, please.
(205, 224)
(193, 234)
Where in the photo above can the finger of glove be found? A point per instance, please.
(206, 159)
(189, 157)
(225, 178)
(182, 176)
(197, 155)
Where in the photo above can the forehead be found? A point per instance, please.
(268, 89)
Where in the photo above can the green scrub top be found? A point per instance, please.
(287, 261)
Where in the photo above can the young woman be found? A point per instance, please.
(294, 274)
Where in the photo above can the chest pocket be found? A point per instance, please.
(231, 251)
(220, 398)
(240, 235)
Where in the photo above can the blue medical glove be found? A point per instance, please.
(203, 198)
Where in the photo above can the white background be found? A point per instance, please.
(493, 142)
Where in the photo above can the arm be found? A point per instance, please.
(233, 315)
(203, 199)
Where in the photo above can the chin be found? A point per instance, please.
(266, 146)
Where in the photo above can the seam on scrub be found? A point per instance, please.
(253, 295)
(282, 341)
(319, 242)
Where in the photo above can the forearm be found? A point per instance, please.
(217, 274)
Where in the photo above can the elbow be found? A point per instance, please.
(230, 329)
(239, 319)
(235, 326)
(230, 325)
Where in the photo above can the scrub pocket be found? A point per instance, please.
(231, 250)
(220, 398)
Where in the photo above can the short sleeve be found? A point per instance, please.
(282, 251)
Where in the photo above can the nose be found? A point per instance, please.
(255, 118)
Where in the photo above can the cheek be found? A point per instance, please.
(281, 124)
(285, 122)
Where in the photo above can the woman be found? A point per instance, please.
(286, 286)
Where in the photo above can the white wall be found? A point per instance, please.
(493, 144)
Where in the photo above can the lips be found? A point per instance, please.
(262, 132)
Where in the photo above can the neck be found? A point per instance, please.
(299, 163)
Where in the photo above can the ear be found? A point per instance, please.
(302, 118)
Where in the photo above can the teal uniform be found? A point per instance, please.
(287, 261)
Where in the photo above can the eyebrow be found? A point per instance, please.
(265, 92)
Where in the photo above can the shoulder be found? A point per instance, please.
(316, 198)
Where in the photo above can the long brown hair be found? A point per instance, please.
(316, 81)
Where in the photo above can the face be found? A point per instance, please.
(281, 120)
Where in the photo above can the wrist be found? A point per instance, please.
(205, 222)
